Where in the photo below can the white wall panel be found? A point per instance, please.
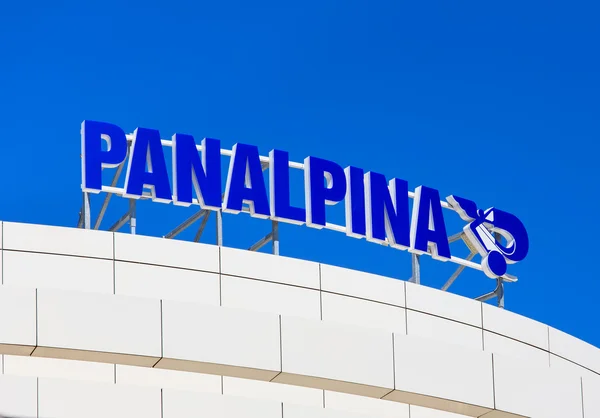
(434, 370)
(172, 379)
(272, 391)
(263, 296)
(362, 285)
(269, 267)
(574, 349)
(156, 282)
(365, 313)
(52, 271)
(447, 305)
(57, 240)
(363, 405)
(515, 326)
(90, 321)
(18, 396)
(72, 399)
(535, 392)
(17, 319)
(439, 363)
(166, 252)
(450, 332)
(300, 411)
(329, 350)
(59, 368)
(499, 344)
(563, 365)
(216, 335)
(179, 404)
(591, 396)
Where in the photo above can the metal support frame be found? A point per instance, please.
(272, 237)
(498, 292)
(219, 228)
(132, 216)
(456, 237)
(185, 224)
(275, 226)
(104, 206)
(416, 269)
(84, 214)
(202, 215)
(201, 228)
(128, 217)
(456, 273)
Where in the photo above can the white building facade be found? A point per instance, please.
(100, 324)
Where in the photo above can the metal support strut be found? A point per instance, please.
(416, 269)
(498, 292)
(189, 221)
(220, 228)
(85, 212)
(275, 226)
(203, 214)
(201, 228)
(457, 273)
(272, 237)
(132, 216)
(128, 217)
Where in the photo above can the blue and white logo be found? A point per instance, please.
(482, 223)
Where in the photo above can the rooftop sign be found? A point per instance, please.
(377, 209)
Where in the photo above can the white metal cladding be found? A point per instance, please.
(96, 324)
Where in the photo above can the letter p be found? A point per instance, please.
(94, 158)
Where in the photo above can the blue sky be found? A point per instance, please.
(497, 102)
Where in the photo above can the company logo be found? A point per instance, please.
(482, 223)
(377, 209)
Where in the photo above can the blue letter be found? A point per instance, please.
(146, 148)
(387, 211)
(355, 203)
(428, 229)
(245, 182)
(279, 185)
(93, 159)
(316, 193)
(188, 170)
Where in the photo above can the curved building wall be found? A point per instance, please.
(96, 324)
